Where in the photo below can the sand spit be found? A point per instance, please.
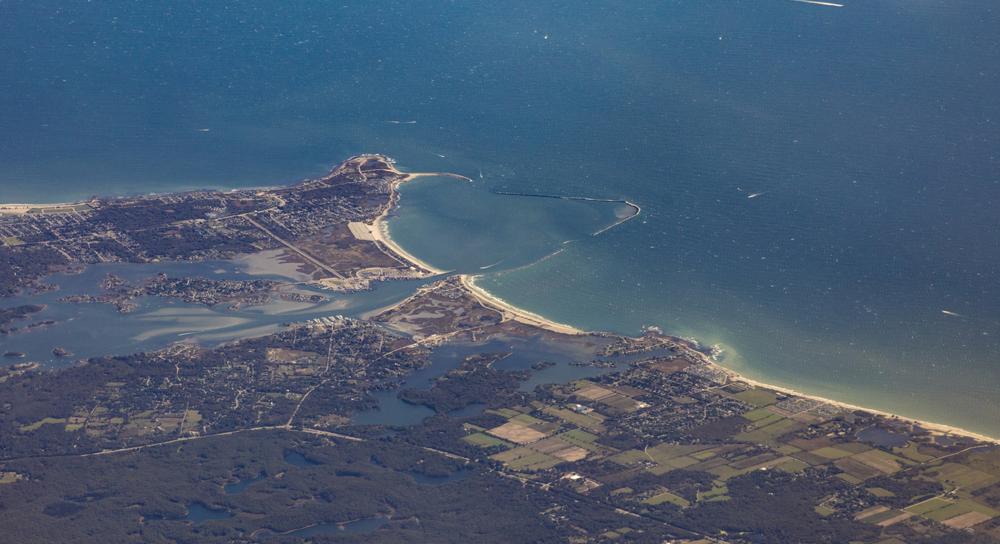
(510, 311)
(529, 318)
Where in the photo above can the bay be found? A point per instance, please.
(867, 133)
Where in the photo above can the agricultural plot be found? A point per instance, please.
(608, 397)
(563, 437)
(667, 497)
(756, 397)
(526, 459)
(718, 493)
(592, 421)
(485, 441)
(962, 476)
(769, 433)
(517, 432)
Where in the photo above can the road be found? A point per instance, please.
(315, 262)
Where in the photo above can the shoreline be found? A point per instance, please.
(514, 313)
(380, 233)
(636, 209)
(379, 228)
(934, 428)
(529, 318)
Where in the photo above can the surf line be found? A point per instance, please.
(636, 210)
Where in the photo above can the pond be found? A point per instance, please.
(199, 512)
(525, 352)
(883, 438)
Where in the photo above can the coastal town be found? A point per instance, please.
(556, 434)
(329, 227)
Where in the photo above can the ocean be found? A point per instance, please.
(866, 135)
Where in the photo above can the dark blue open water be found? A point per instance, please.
(871, 132)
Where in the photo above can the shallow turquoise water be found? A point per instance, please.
(869, 130)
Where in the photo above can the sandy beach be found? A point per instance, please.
(530, 318)
(513, 312)
(938, 428)
(379, 229)
(380, 233)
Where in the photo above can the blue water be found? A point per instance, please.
(523, 353)
(870, 131)
(200, 512)
(93, 329)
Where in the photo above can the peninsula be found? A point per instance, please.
(556, 434)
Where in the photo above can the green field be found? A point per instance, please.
(956, 509)
(719, 492)
(526, 459)
(927, 506)
(769, 433)
(44, 421)
(585, 440)
(485, 441)
(792, 465)
(831, 453)
(757, 397)
(569, 416)
(667, 496)
(962, 476)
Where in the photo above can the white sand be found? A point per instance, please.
(513, 312)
